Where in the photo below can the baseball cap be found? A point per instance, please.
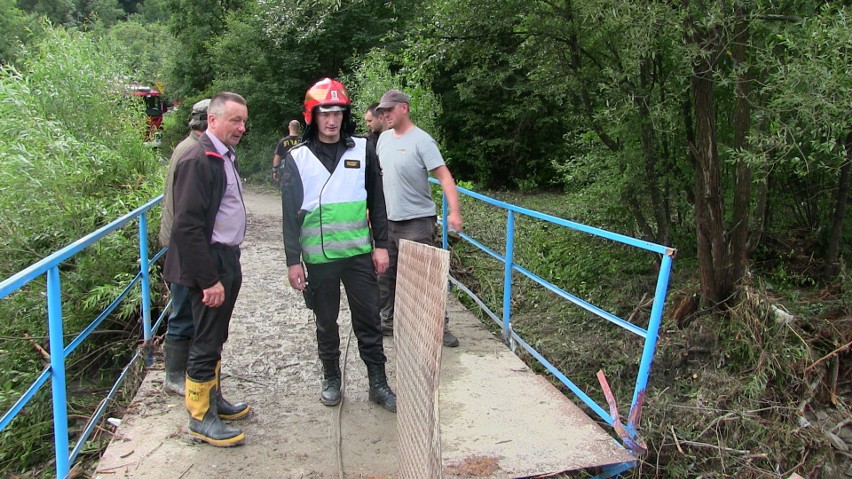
(391, 98)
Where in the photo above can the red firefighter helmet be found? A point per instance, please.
(325, 93)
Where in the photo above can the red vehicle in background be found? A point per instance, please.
(155, 107)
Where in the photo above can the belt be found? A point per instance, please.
(432, 218)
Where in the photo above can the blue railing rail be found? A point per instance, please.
(59, 351)
(628, 432)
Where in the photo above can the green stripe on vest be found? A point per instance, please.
(335, 231)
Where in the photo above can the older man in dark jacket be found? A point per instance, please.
(204, 256)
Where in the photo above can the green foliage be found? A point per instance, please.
(73, 161)
(195, 25)
(152, 11)
(500, 131)
(76, 13)
(373, 76)
(810, 96)
(145, 45)
(57, 11)
(15, 25)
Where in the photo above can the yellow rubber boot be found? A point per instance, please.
(227, 410)
(204, 421)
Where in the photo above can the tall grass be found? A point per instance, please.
(73, 161)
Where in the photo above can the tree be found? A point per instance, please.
(152, 11)
(146, 45)
(14, 24)
(104, 12)
(195, 24)
(811, 97)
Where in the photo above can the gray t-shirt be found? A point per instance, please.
(406, 162)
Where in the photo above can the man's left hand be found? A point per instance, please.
(454, 220)
(380, 260)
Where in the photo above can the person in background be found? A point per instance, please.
(334, 221)
(179, 330)
(407, 155)
(204, 256)
(375, 124)
(283, 146)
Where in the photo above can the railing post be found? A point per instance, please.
(650, 344)
(146, 287)
(507, 276)
(445, 211)
(57, 371)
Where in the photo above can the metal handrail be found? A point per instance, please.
(49, 266)
(513, 339)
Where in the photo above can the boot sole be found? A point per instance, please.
(234, 417)
(383, 405)
(330, 403)
(229, 442)
(174, 389)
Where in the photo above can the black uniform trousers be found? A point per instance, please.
(211, 324)
(359, 280)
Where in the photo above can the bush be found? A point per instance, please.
(73, 161)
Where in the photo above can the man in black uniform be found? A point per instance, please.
(329, 183)
(283, 146)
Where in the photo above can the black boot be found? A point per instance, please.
(204, 421)
(380, 392)
(227, 410)
(176, 353)
(330, 395)
(450, 340)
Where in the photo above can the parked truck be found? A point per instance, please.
(155, 107)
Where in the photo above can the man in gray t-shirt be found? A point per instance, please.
(407, 155)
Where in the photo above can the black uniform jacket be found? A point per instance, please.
(292, 194)
(198, 189)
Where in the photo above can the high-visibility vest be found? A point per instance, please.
(335, 224)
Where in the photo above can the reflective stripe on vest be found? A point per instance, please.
(335, 224)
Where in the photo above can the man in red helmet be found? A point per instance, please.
(329, 184)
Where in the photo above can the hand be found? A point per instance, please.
(275, 175)
(296, 275)
(214, 296)
(454, 220)
(381, 260)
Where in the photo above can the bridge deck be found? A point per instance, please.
(498, 418)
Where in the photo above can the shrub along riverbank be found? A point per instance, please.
(73, 160)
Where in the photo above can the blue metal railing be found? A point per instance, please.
(49, 266)
(628, 432)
